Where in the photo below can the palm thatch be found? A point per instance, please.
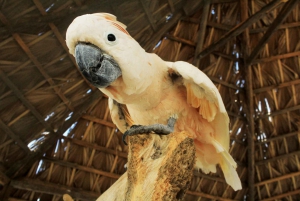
(56, 134)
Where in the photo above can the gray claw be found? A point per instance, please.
(159, 129)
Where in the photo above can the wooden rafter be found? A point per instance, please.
(83, 168)
(287, 8)
(34, 60)
(276, 57)
(4, 180)
(42, 70)
(211, 197)
(13, 136)
(19, 94)
(148, 14)
(60, 37)
(250, 102)
(281, 26)
(24, 164)
(251, 31)
(97, 147)
(276, 158)
(239, 28)
(54, 189)
(202, 30)
(286, 176)
(277, 86)
(180, 40)
(161, 31)
(170, 2)
(284, 195)
(279, 137)
(97, 120)
(278, 112)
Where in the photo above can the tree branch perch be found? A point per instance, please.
(159, 168)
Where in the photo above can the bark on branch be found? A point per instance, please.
(159, 168)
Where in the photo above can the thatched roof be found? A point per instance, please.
(56, 135)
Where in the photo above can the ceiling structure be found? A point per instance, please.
(56, 135)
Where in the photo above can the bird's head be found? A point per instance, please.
(104, 50)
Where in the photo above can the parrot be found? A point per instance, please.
(149, 95)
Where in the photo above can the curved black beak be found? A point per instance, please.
(97, 67)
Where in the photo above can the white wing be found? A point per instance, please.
(203, 95)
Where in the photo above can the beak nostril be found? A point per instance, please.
(94, 69)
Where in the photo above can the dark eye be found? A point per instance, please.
(111, 37)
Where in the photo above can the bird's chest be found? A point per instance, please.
(172, 103)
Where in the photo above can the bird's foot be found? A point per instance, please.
(159, 129)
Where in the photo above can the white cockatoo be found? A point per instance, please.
(145, 90)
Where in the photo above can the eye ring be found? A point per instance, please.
(111, 37)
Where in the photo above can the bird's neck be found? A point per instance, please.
(141, 94)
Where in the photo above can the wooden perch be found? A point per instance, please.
(159, 168)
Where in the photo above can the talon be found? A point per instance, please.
(135, 126)
(159, 129)
(124, 137)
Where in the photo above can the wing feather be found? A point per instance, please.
(204, 96)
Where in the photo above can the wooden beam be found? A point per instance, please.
(275, 158)
(53, 189)
(217, 80)
(276, 179)
(226, 56)
(272, 58)
(277, 86)
(278, 137)
(201, 31)
(99, 121)
(148, 14)
(278, 112)
(180, 40)
(60, 38)
(7, 142)
(13, 136)
(250, 102)
(239, 28)
(151, 166)
(170, 2)
(42, 71)
(4, 179)
(197, 173)
(21, 166)
(192, 6)
(287, 8)
(97, 147)
(16, 199)
(251, 31)
(211, 197)
(223, 1)
(161, 31)
(34, 60)
(284, 195)
(220, 26)
(27, 104)
(281, 26)
(83, 168)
